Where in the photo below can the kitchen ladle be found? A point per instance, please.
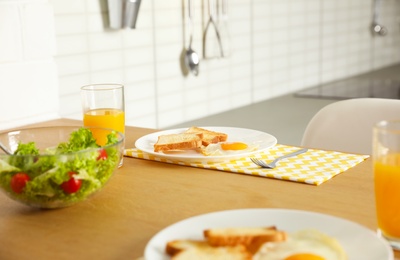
(191, 58)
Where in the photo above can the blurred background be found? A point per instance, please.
(272, 48)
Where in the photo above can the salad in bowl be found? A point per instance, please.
(53, 167)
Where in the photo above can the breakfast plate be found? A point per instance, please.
(357, 241)
(261, 141)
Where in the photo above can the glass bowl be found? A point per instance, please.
(57, 166)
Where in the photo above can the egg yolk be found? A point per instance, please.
(304, 256)
(233, 146)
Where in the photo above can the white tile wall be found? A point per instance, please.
(24, 99)
(11, 43)
(278, 47)
(28, 73)
(38, 43)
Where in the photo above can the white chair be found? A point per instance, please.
(347, 125)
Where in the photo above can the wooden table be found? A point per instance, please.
(144, 197)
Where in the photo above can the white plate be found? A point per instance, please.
(358, 241)
(263, 140)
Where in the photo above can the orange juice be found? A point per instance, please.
(387, 195)
(107, 118)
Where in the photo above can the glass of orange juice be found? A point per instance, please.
(103, 106)
(386, 161)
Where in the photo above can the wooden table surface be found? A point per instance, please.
(144, 197)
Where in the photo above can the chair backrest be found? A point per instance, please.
(347, 125)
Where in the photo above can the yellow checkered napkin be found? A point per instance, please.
(313, 167)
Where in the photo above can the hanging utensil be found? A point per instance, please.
(376, 27)
(223, 26)
(131, 13)
(192, 60)
(211, 22)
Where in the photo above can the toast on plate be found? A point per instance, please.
(183, 141)
(250, 237)
(209, 137)
(214, 253)
(231, 243)
(192, 139)
(175, 246)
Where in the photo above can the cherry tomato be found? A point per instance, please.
(72, 185)
(18, 182)
(102, 155)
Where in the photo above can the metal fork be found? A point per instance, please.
(272, 164)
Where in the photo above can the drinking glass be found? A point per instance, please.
(386, 163)
(103, 106)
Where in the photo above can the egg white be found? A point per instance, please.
(304, 241)
(216, 149)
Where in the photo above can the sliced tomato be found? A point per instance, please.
(72, 185)
(18, 182)
(102, 155)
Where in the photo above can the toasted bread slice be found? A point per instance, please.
(182, 141)
(214, 253)
(251, 238)
(209, 137)
(175, 246)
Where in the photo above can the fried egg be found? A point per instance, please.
(227, 148)
(303, 245)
